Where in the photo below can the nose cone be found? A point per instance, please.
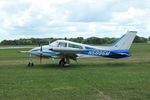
(35, 49)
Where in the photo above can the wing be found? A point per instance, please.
(68, 52)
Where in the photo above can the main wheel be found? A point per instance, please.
(62, 63)
(30, 64)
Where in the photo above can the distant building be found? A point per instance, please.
(148, 41)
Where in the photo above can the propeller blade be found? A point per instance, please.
(40, 58)
(41, 50)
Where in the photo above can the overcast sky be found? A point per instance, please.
(73, 18)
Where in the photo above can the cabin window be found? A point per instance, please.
(62, 44)
(74, 46)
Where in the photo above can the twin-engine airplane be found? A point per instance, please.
(67, 50)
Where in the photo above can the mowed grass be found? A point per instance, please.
(89, 79)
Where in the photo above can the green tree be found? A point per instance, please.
(139, 39)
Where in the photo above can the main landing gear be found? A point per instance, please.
(30, 64)
(64, 62)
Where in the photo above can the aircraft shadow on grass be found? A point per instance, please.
(97, 65)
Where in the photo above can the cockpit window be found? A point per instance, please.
(62, 44)
(54, 44)
(74, 46)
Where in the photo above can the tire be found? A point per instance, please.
(30, 64)
(62, 63)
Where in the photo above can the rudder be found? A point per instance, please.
(124, 43)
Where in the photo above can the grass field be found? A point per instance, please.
(89, 79)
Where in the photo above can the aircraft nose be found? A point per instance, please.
(31, 50)
(34, 50)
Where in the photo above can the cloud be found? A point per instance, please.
(71, 18)
(88, 10)
(134, 19)
(132, 14)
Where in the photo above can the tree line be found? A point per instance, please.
(91, 40)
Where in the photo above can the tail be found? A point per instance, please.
(124, 43)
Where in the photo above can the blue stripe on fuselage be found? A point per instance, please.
(89, 48)
(45, 51)
(108, 53)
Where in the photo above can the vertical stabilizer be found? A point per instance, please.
(124, 43)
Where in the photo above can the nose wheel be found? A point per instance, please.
(30, 64)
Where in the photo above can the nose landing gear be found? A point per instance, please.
(30, 64)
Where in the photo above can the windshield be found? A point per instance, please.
(54, 44)
(62, 44)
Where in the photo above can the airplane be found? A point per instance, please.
(67, 50)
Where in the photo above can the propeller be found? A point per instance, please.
(41, 52)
